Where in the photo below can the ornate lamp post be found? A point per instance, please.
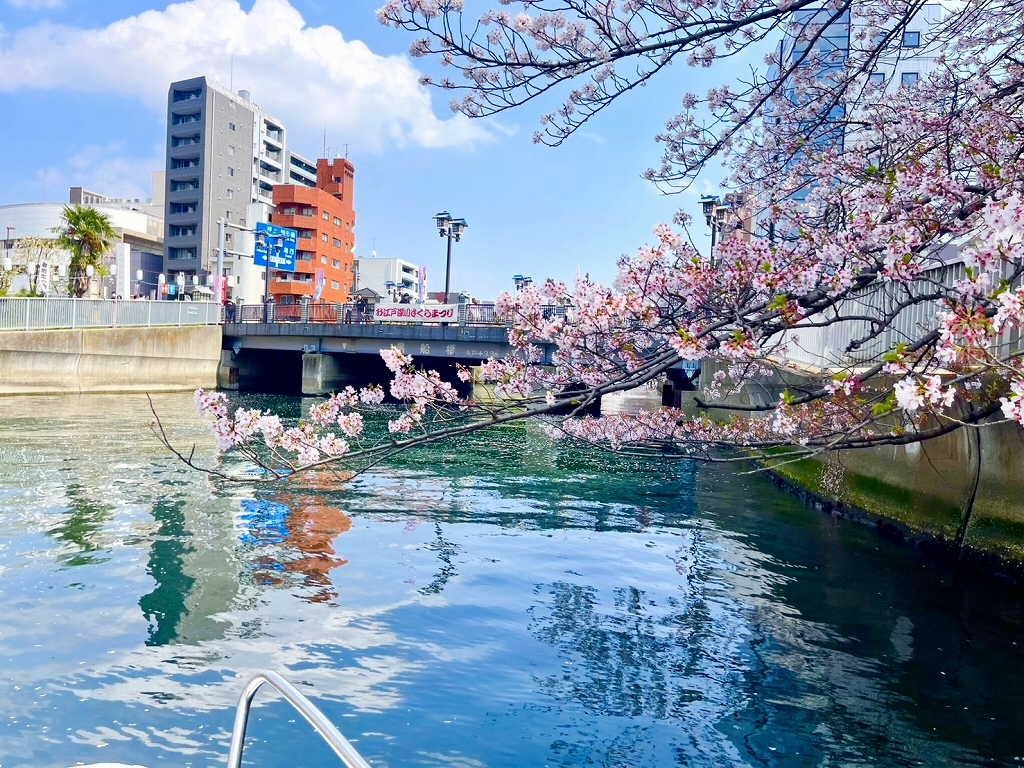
(709, 204)
(8, 244)
(450, 228)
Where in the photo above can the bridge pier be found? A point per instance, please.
(321, 374)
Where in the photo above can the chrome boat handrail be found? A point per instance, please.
(304, 706)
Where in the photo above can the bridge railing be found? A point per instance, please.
(43, 313)
(331, 314)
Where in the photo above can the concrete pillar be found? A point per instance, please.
(227, 372)
(321, 374)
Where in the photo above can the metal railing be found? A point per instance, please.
(825, 348)
(341, 746)
(332, 314)
(29, 314)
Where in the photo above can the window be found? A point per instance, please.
(227, 238)
(186, 231)
(327, 216)
(184, 141)
(183, 207)
(335, 263)
(306, 233)
(337, 243)
(305, 256)
(911, 39)
(231, 150)
(188, 163)
(183, 119)
(231, 194)
(877, 77)
(324, 237)
(334, 284)
(231, 126)
(187, 95)
(307, 211)
(909, 79)
(323, 259)
(181, 253)
(231, 171)
(337, 221)
(289, 211)
(182, 186)
(227, 215)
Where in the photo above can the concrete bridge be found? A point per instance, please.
(331, 356)
(50, 345)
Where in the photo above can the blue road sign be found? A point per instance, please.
(283, 246)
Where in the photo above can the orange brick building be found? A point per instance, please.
(325, 219)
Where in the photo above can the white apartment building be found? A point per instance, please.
(390, 278)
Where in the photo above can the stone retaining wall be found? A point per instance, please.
(137, 359)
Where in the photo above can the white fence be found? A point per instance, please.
(23, 314)
(826, 348)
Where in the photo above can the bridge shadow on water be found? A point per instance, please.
(279, 372)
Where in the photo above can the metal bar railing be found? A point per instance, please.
(45, 313)
(341, 746)
(360, 314)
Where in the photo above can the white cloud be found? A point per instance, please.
(308, 77)
(36, 5)
(105, 169)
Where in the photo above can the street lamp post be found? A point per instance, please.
(8, 244)
(450, 228)
(709, 204)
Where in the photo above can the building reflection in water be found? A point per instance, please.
(295, 537)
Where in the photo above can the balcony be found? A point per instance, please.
(180, 96)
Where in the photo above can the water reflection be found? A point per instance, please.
(498, 601)
(295, 535)
(82, 527)
(165, 606)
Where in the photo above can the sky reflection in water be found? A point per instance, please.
(499, 601)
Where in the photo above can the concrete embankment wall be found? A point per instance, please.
(924, 489)
(158, 359)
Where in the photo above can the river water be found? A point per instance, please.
(502, 601)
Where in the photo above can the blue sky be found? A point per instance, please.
(84, 86)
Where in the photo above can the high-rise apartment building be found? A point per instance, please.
(223, 153)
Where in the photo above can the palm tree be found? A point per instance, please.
(87, 233)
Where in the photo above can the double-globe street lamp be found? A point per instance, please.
(450, 228)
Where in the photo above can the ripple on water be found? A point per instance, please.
(498, 601)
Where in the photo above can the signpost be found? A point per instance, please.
(276, 248)
(282, 243)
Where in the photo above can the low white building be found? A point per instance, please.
(391, 278)
(139, 245)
